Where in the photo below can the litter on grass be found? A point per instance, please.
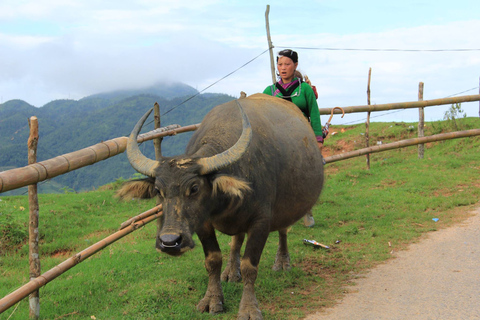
(315, 244)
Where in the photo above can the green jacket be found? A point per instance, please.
(304, 98)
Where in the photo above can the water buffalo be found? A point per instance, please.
(252, 167)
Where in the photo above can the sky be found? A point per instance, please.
(69, 49)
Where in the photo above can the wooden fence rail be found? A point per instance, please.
(34, 284)
(404, 105)
(40, 171)
(402, 144)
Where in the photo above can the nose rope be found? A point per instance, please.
(170, 246)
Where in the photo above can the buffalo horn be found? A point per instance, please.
(227, 157)
(138, 161)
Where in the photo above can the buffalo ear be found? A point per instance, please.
(137, 189)
(231, 186)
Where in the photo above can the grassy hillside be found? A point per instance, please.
(362, 215)
(68, 125)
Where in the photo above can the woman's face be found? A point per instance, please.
(286, 68)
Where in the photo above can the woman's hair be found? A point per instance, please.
(298, 74)
(289, 54)
(294, 56)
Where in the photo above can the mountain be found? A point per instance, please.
(166, 90)
(69, 125)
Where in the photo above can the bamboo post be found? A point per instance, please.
(421, 122)
(367, 124)
(34, 258)
(158, 153)
(12, 298)
(157, 142)
(270, 45)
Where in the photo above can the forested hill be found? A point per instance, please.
(69, 125)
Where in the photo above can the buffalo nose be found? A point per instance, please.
(170, 240)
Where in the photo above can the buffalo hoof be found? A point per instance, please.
(231, 274)
(211, 304)
(282, 262)
(251, 313)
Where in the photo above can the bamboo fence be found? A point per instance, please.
(404, 105)
(34, 284)
(403, 143)
(40, 171)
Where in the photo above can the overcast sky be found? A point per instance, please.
(69, 49)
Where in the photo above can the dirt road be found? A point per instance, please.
(437, 278)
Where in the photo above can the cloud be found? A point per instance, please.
(60, 49)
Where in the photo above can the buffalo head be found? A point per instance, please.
(191, 188)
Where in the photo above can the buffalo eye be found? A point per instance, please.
(194, 189)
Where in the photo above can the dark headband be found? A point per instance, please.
(289, 54)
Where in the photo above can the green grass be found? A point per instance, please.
(362, 214)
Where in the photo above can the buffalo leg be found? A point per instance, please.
(249, 268)
(213, 300)
(282, 260)
(232, 270)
